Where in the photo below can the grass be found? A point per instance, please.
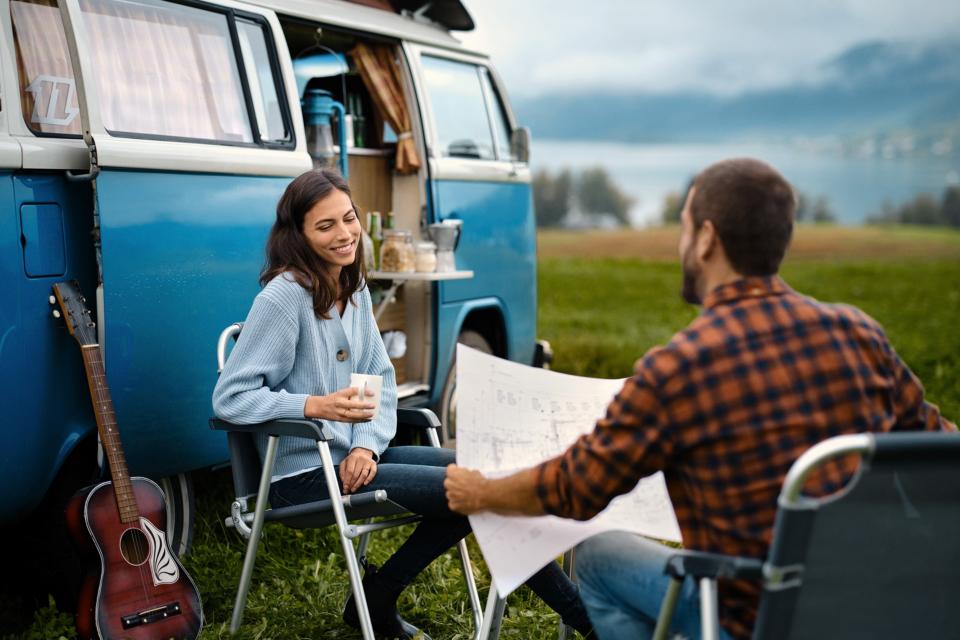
(605, 298)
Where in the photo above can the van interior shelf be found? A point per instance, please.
(414, 275)
(398, 278)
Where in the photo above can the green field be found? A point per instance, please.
(600, 313)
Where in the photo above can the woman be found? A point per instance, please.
(309, 328)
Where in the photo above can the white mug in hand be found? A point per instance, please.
(364, 382)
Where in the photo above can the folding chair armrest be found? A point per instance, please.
(699, 564)
(418, 418)
(312, 429)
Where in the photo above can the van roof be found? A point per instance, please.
(356, 17)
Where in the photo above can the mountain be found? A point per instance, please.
(872, 88)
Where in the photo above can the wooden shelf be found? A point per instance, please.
(413, 275)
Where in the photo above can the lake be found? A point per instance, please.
(854, 187)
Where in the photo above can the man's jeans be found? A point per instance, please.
(623, 585)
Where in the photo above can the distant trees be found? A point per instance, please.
(923, 209)
(565, 198)
(808, 209)
(816, 210)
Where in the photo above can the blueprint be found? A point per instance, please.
(510, 417)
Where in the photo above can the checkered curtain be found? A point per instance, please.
(380, 70)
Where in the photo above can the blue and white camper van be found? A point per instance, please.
(143, 147)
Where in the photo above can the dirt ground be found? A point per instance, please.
(813, 243)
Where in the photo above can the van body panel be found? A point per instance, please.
(181, 258)
(48, 404)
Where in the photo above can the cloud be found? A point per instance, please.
(695, 45)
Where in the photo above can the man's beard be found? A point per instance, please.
(691, 273)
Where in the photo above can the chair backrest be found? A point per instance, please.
(244, 464)
(880, 559)
(244, 459)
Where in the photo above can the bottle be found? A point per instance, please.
(376, 235)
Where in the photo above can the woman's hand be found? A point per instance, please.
(339, 407)
(357, 469)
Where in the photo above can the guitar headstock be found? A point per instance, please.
(73, 307)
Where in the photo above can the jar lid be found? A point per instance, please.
(397, 233)
(426, 246)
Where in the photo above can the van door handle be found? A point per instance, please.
(89, 176)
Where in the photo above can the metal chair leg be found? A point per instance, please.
(247, 574)
(709, 610)
(364, 541)
(492, 616)
(569, 568)
(353, 567)
(666, 609)
(471, 584)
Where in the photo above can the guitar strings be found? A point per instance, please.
(114, 463)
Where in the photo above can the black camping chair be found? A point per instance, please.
(879, 559)
(252, 480)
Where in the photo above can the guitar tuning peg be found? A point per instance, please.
(56, 314)
(53, 300)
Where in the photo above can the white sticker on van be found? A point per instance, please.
(48, 90)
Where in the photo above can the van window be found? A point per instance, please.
(459, 109)
(498, 117)
(166, 70)
(262, 82)
(48, 91)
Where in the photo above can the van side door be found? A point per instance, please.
(473, 177)
(190, 112)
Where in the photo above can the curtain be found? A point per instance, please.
(165, 69)
(380, 71)
(44, 65)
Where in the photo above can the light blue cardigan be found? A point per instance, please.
(285, 354)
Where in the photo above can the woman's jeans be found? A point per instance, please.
(623, 585)
(413, 477)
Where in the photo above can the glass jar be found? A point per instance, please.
(396, 252)
(426, 257)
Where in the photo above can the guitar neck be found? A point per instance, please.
(109, 434)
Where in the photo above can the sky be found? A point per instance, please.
(541, 46)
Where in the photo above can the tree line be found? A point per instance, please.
(560, 198)
(925, 209)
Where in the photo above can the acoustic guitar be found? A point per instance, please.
(141, 591)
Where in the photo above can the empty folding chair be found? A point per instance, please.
(879, 559)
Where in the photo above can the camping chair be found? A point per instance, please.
(252, 480)
(879, 559)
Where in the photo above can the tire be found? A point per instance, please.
(447, 411)
(178, 494)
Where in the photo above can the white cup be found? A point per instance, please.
(364, 382)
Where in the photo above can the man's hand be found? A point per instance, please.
(466, 490)
(469, 492)
(357, 469)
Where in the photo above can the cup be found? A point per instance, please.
(364, 382)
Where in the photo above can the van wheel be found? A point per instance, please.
(178, 495)
(448, 401)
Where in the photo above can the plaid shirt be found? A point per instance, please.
(727, 406)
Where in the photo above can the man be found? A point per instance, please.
(723, 410)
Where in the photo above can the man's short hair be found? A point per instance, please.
(751, 206)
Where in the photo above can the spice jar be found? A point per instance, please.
(426, 257)
(396, 252)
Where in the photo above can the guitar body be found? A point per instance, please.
(142, 592)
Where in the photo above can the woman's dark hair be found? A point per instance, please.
(751, 206)
(289, 251)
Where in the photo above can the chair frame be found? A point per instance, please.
(342, 508)
(705, 568)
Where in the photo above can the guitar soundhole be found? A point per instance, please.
(134, 546)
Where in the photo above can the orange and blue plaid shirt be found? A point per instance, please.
(727, 406)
